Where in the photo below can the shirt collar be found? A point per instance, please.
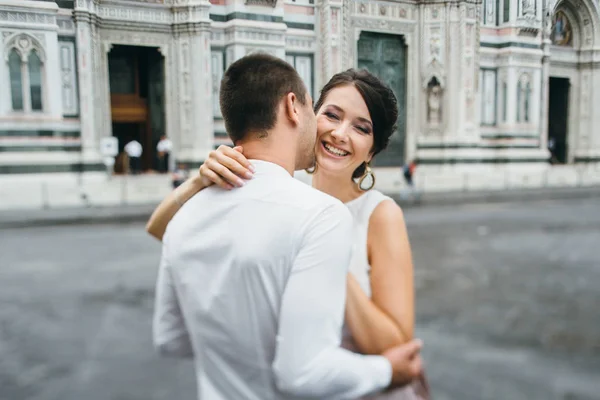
(268, 168)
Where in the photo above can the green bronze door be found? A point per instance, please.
(385, 56)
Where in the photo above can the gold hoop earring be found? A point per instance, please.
(311, 171)
(368, 172)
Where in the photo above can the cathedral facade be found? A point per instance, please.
(482, 86)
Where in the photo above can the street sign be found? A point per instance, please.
(109, 146)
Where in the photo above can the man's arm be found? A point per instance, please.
(170, 335)
(308, 360)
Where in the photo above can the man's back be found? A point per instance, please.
(230, 254)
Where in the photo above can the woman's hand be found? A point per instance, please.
(225, 167)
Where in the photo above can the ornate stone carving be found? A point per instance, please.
(528, 7)
(138, 38)
(585, 94)
(434, 71)
(386, 10)
(271, 3)
(24, 17)
(140, 14)
(435, 46)
(299, 43)
(469, 35)
(334, 21)
(490, 11)
(66, 26)
(397, 26)
(346, 41)
(434, 103)
(24, 43)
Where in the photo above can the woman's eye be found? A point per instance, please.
(331, 115)
(364, 130)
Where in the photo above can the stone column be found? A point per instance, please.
(450, 57)
(195, 138)
(449, 74)
(545, 80)
(324, 43)
(85, 22)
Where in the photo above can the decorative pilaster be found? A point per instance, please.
(191, 27)
(449, 76)
(545, 89)
(325, 45)
(85, 14)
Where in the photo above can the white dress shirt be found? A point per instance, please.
(252, 284)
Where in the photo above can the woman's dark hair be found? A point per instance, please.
(380, 100)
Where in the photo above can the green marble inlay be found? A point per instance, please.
(247, 16)
(40, 133)
(510, 44)
(50, 168)
(38, 148)
(438, 161)
(476, 146)
(260, 17)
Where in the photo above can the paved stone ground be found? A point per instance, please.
(507, 302)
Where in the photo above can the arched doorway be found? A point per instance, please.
(573, 30)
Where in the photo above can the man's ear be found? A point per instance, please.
(292, 112)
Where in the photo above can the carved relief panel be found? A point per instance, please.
(68, 78)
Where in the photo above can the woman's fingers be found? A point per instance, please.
(213, 177)
(221, 165)
(233, 160)
(225, 166)
(232, 165)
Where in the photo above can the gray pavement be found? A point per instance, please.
(507, 305)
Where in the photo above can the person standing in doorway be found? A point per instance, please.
(134, 151)
(164, 148)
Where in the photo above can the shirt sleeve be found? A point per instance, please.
(309, 360)
(169, 333)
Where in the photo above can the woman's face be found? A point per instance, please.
(344, 131)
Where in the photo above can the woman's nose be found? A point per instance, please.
(340, 133)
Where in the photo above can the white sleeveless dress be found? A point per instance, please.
(361, 209)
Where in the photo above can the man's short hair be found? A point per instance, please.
(251, 90)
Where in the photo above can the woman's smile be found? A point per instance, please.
(334, 151)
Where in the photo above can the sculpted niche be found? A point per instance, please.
(434, 103)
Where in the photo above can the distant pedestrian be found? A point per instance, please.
(408, 171)
(134, 151)
(180, 175)
(164, 148)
